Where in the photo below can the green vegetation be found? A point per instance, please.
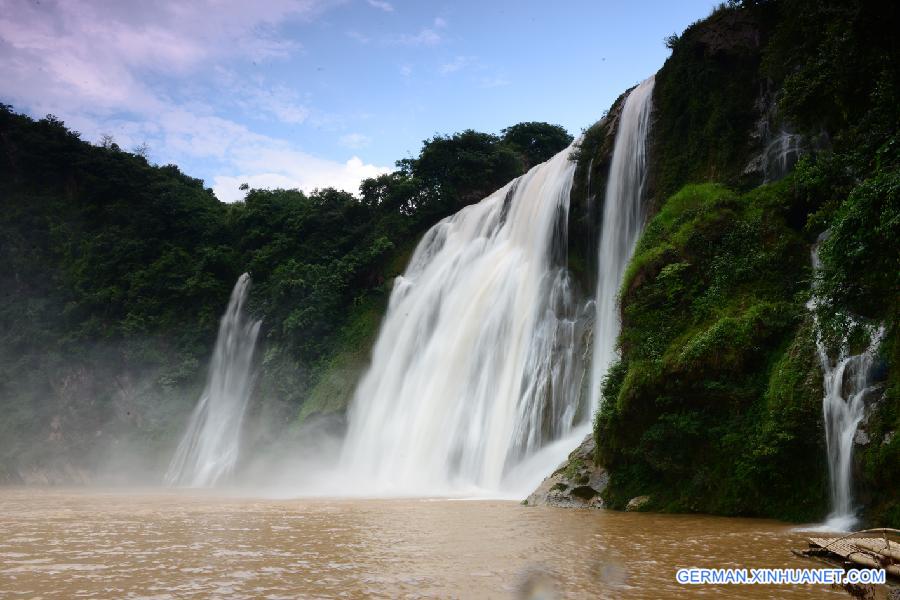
(705, 97)
(839, 65)
(716, 403)
(535, 142)
(117, 272)
(712, 408)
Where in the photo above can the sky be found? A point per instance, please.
(316, 93)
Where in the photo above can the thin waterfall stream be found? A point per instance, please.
(209, 449)
(846, 384)
(623, 221)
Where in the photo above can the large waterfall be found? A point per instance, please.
(477, 373)
(209, 449)
(623, 219)
(476, 363)
(845, 382)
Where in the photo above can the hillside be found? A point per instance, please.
(118, 270)
(716, 403)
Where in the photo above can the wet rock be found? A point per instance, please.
(861, 438)
(577, 483)
(599, 479)
(637, 503)
(888, 437)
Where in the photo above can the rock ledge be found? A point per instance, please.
(577, 483)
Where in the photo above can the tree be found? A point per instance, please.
(535, 141)
(463, 168)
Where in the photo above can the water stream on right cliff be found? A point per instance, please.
(845, 383)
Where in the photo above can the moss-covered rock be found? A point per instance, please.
(716, 403)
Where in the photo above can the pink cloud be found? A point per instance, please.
(91, 62)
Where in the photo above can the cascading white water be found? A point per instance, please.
(623, 219)
(476, 366)
(209, 449)
(780, 155)
(476, 375)
(845, 384)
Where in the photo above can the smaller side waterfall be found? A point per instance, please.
(623, 220)
(780, 155)
(845, 385)
(209, 449)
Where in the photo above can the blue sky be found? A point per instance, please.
(310, 93)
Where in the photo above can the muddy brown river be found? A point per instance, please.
(152, 544)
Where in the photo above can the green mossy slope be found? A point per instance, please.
(715, 404)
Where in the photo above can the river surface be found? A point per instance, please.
(153, 544)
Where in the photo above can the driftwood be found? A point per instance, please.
(861, 548)
(881, 546)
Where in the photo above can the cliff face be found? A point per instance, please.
(716, 403)
(115, 275)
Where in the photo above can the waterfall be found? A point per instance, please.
(623, 219)
(780, 155)
(845, 384)
(209, 449)
(477, 365)
(475, 382)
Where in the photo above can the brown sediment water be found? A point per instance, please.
(121, 544)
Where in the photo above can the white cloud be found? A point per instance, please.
(457, 64)
(92, 64)
(97, 56)
(280, 103)
(493, 82)
(359, 37)
(166, 36)
(425, 37)
(244, 156)
(385, 6)
(355, 140)
(291, 169)
(406, 70)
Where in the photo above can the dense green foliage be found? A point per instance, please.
(839, 64)
(454, 171)
(716, 403)
(712, 408)
(117, 272)
(536, 141)
(705, 97)
(114, 273)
